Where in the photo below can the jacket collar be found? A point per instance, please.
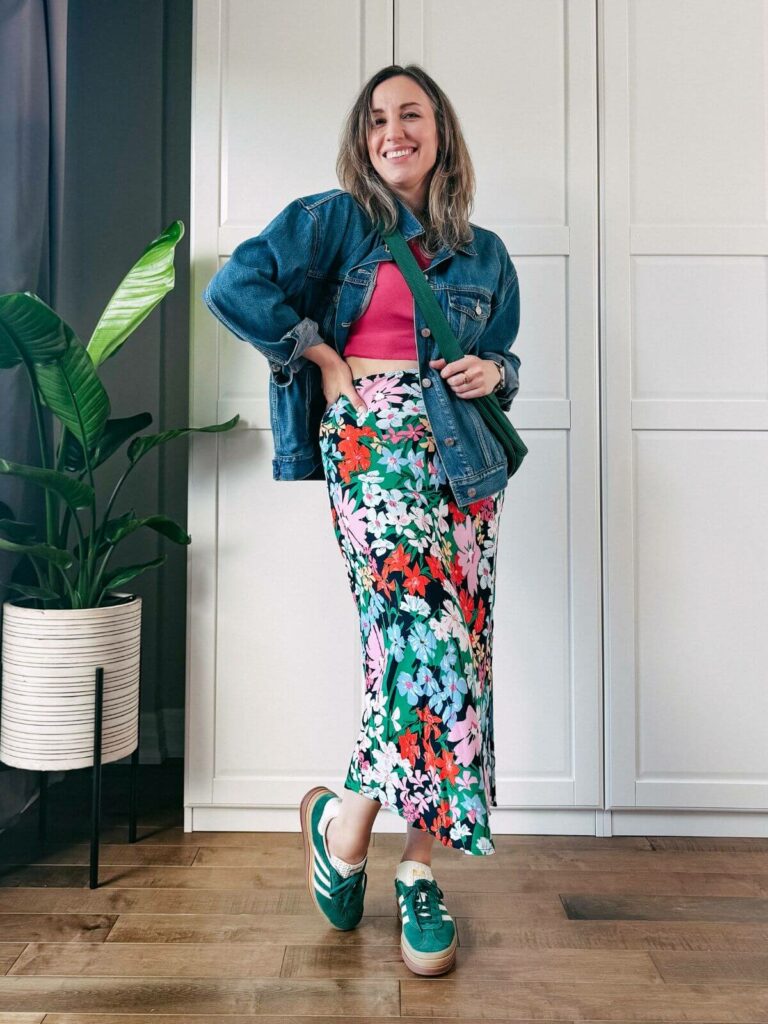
(411, 227)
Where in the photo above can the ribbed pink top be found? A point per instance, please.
(385, 330)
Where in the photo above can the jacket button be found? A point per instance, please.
(426, 382)
(425, 332)
(426, 275)
(449, 441)
(471, 492)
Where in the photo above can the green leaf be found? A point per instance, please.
(117, 529)
(76, 493)
(128, 572)
(116, 433)
(31, 330)
(29, 591)
(17, 531)
(71, 388)
(141, 445)
(143, 287)
(50, 554)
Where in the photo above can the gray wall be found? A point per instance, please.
(127, 178)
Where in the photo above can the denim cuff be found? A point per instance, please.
(305, 334)
(511, 380)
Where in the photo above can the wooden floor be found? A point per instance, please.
(217, 928)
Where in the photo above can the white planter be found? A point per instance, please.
(50, 657)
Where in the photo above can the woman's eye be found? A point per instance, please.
(408, 113)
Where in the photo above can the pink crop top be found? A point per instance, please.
(385, 330)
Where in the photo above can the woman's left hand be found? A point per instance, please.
(470, 376)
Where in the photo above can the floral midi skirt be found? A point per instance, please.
(422, 573)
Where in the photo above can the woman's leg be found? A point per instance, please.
(418, 845)
(349, 832)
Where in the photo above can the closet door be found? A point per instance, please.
(274, 675)
(686, 424)
(522, 78)
(274, 661)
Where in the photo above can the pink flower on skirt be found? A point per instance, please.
(376, 658)
(468, 732)
(381, 393)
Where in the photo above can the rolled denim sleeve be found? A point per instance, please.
(501, 330)
(252, 293)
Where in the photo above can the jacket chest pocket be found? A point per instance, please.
(468, 312)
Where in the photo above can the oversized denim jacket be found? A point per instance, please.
(310, 274)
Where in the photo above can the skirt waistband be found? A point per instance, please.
(409, 372)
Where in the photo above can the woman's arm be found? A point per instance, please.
(501, 330)
(250, 293)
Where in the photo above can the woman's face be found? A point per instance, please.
(402, 118)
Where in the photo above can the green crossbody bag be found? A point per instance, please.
(488, 406)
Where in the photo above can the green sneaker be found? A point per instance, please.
(338, 898)
(428, 937)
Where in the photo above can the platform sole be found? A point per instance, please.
(427, 963)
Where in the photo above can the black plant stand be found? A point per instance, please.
(42, 821)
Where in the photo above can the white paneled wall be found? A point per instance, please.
(635, 534)
(685, 383)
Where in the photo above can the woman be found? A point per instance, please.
(420, 561)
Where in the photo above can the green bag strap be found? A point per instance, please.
(449, 347)
(487, 405)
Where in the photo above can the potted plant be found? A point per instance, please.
(76, 617)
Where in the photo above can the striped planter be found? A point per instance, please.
(50, 657)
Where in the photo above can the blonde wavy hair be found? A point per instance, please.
(450, 195)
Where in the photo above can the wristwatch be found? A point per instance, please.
(503, 373)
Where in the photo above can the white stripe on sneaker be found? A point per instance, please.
(322, 870)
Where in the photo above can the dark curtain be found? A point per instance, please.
(33, 53)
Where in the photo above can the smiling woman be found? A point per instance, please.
(415, 480)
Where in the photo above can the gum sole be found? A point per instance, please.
(421, 963)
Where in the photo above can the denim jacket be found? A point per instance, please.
(310, 274)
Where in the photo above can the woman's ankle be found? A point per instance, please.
(347, 847)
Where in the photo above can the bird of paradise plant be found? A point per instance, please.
(63, 377)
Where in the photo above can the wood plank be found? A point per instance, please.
(147, 960)
(160, 835)
(109, 853)
(651, 882)
(9, 953)
(613, 935)
(87, 928)
(724, 1004)
(560, 965)
(721, 844)
(278, 928)
(520, 907)
(662, 908)
(206, 1018)
(693, 968)
(186, 996)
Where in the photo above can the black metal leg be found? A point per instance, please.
(96, 792)
(42, 808)
(132, 798)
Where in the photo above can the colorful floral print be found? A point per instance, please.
(421, 571)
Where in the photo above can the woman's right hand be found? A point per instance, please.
(336, 374)
(337, 381)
